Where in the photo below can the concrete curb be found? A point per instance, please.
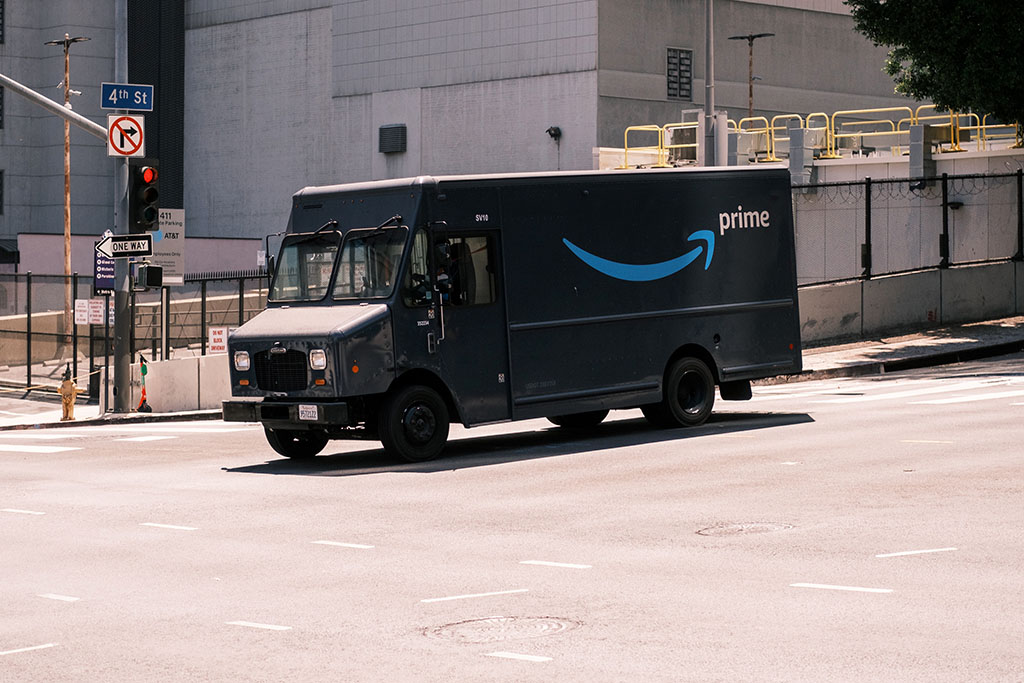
(123, 419)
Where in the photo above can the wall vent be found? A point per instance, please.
(392, 138)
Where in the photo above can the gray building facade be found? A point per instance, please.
(282, 94)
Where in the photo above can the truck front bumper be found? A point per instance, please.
(295, 414)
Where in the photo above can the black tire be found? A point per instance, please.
(579, 420)
(689, 396)
(294, 443)
(413, 424)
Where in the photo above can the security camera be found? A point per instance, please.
(555, 132)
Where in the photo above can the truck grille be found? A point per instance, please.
(281, 371)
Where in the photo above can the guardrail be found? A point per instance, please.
(759, 139)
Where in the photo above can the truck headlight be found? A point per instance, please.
(318, 359)
(241, 361)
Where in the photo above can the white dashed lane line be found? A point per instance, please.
(265, 627)
(169, 526)
(562, 565)
(522, 658)
(475, 595)
(27, 649)
(855, 589)
(916, 552)
(146, 438)
(61, 598)
(14, 511)
(339, 544)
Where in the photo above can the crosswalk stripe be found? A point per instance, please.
(27, 448)
(944, 389)
(968, 399)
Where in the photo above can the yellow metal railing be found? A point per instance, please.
(659, 149)
(666, 137)
(764, 136)
(833, 137)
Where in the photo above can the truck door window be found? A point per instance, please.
(472, 276)
(304, 267)
(368, 265)
(418, 286)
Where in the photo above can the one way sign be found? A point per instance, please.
(125, 246)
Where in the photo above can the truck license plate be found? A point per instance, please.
(308, 413)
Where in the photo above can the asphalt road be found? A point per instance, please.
(847, 530)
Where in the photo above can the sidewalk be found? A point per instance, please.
(934, 347)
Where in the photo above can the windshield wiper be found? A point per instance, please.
(332, 224)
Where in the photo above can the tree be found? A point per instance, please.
(963, 55)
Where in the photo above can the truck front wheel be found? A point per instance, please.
(413, 424)
(293, 443)
(689, 396)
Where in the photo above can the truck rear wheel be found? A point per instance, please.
(689, 396)
(579, 420)
(294, 443)
(413, 424)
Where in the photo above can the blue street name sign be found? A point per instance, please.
(126, 96)
(102, 274)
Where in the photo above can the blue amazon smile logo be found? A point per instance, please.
(646, 272)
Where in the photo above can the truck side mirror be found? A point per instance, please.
(271, 263)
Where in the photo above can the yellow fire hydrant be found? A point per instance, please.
(68, 391)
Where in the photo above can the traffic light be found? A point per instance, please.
(143, 195)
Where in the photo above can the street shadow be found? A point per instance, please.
(483, 451)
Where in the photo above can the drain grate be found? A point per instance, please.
(499, 629)
(745, 528)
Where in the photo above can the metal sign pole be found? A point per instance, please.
(122, 270)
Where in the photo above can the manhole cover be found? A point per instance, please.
(497, 629)
(747, 528)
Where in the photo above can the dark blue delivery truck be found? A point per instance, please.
(397, 307)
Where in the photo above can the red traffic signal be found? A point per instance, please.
(143, 195)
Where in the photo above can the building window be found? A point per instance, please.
(1, 193)
(1, 22)
(679, 74)
(1, 103)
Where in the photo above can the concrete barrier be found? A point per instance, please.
(901, 303)
(983, 292)
(179, 384)
(830, 312)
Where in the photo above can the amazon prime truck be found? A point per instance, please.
(399, 306)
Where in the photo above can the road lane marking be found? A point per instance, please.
(926, 441)
(252, 624)
(55, 434)
(169, 526)
(54, 596)
(22, 512)
(960, 386)
(475, 595)
(969, 399)
(37, 449)
(856, 589)
(564, 565)
(789, 462)
(28, 649)
(339, 544)
(146, 438)
(522, 658)
(917, 552)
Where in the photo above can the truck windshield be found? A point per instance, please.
(304, 267)
(369, 261)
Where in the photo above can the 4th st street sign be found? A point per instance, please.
(125, 246)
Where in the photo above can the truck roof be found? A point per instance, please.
(422, 181)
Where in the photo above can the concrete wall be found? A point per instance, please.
(181, 384)
(913, 301)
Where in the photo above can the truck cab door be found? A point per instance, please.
(474, 345)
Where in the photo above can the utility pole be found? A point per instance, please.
(122, 271)
(67, 42)
(750, 38)
(709, 84)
